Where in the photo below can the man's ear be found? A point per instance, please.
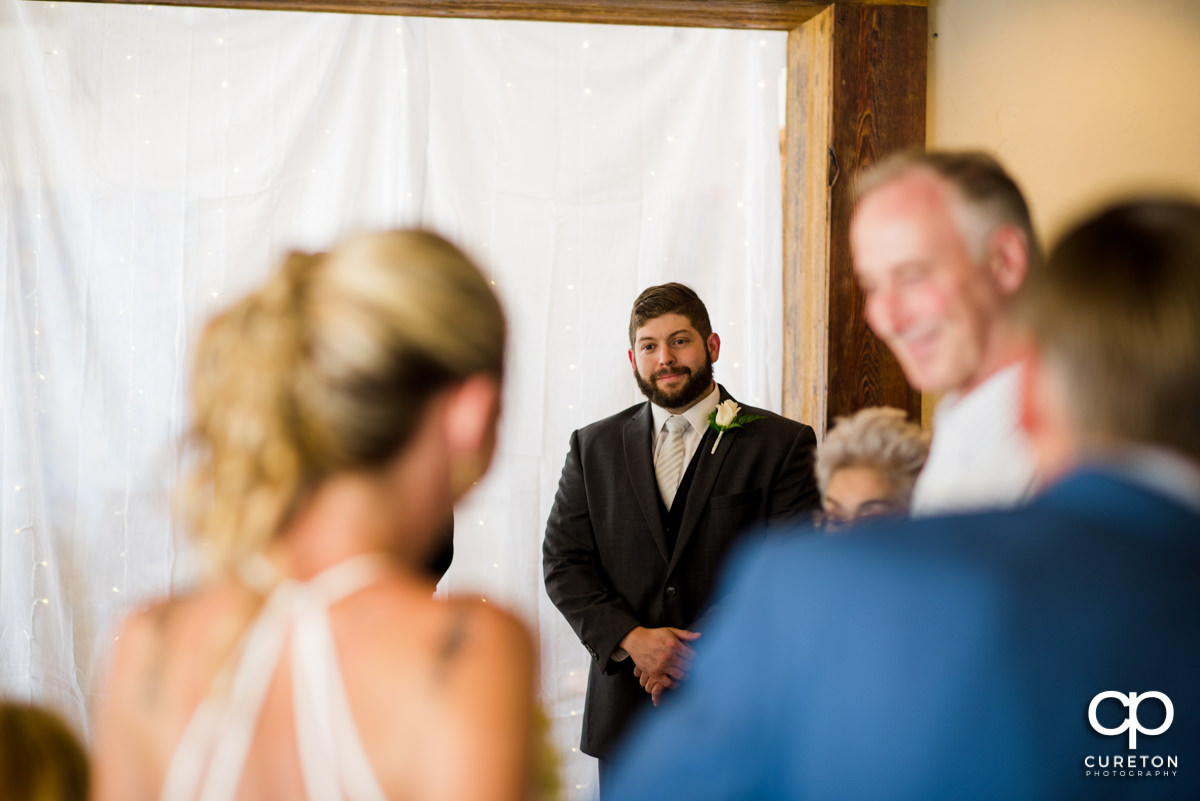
(632, 363)
(714, 346)
(1008, 258)
(1044, 415)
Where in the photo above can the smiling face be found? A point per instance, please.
(672, 363)
(937, 306)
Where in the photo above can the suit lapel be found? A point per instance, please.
(707, 470)
(639, 462)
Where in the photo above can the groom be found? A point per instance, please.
(649, 503)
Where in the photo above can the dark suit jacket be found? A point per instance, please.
(950, 658)
(606, 561)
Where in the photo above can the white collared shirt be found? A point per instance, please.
(696, 414)
(1154, 468)
(980, 457)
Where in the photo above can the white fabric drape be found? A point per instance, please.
(156, 162)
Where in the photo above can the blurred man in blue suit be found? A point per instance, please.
(1049, 652)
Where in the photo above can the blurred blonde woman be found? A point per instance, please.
(339, 412)
(868, 464)
(41, 759)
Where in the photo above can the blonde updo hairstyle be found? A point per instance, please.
(328, 367)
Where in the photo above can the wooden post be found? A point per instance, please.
(856, 78)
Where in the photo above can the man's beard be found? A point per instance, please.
(696, 386)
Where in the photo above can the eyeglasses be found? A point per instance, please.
(875, 510)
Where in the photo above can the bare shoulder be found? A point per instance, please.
(486, 699)
(484, 633)
(137, 648)
(165, 653)
(127, 750)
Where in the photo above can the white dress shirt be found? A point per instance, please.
(980, 457)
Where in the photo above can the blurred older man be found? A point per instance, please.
(941, 242)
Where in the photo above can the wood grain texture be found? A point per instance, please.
(806, 221)
(878, 107)
(759, 14)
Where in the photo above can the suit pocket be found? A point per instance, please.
(748, 498)
(730, 516)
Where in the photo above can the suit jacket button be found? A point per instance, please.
(672, 592)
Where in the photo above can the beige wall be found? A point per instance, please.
(1083, 100)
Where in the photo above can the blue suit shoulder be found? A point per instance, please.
(956, 656)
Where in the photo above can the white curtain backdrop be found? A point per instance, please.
(156, 162)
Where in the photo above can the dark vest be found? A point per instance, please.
(673, 517)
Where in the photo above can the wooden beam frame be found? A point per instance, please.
(856, 86)
(856, 80)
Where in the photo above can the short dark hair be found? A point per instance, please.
(669, 299)
(978, 179)
(1116, 312)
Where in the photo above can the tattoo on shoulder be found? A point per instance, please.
(455, 638)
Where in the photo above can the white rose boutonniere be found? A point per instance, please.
(725, 417)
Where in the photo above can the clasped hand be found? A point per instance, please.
(661, 657)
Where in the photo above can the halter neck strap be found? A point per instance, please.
(211, 756)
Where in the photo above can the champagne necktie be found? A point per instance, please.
(668, 464)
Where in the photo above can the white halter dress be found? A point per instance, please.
(211, 755)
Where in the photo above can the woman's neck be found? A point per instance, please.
(345, 517)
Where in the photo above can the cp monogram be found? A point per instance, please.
(1131, 721)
